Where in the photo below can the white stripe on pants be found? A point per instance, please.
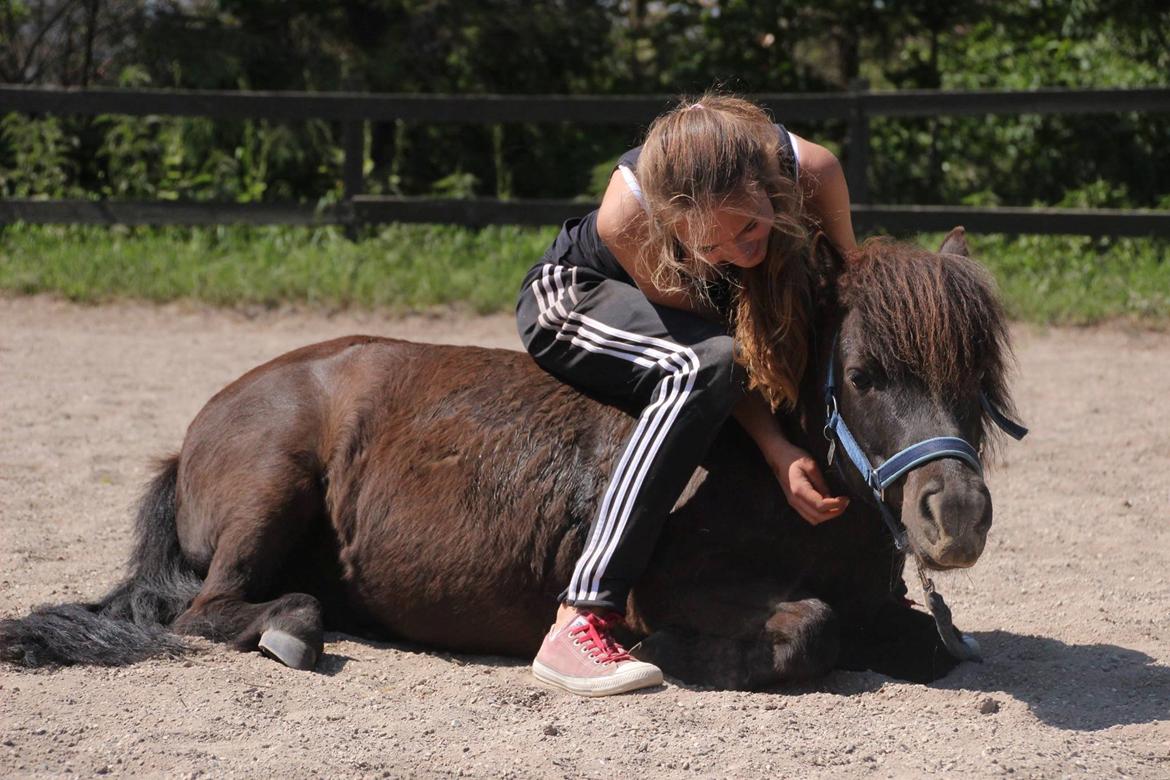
(681, 364)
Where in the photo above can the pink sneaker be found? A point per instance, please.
(584, 658)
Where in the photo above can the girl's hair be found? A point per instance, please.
(721, 152)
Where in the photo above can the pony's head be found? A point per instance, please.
(921, 336)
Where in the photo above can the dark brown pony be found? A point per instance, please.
(441, 495)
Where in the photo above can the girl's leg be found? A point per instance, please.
(606, 337)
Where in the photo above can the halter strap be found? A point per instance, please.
(923, 452)
(1013, 429)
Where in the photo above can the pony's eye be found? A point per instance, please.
(860, 380)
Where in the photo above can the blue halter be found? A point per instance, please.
(878, 479)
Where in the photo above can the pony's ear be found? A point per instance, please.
(955, 243)
(827, 264)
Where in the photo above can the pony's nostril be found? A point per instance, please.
(930, 509)
(984, 521)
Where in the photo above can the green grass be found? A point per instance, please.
(1064, 280)
(1078, 280)
(399, 268)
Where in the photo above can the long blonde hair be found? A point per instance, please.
(715, 153)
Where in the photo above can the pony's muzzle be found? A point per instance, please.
(952, 514)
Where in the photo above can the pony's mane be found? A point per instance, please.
(936, 317)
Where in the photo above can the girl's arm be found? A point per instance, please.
(826, 195)
(797, 472)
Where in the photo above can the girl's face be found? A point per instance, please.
(733, 235)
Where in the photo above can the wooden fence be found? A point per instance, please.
(353, 110)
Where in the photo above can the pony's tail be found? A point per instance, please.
(128, 625)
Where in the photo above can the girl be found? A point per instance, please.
(686, 293)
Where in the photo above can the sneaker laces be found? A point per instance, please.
(595, 638)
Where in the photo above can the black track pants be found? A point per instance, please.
(604, 336)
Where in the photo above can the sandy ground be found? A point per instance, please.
(1071, 601)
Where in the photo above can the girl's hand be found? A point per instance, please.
(797, 472)
(805, 488)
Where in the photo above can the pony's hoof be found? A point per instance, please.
(286, 648)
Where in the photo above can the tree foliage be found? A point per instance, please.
(576, 47)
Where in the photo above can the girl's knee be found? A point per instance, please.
(722, 376)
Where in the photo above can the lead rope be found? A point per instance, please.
(961, 646)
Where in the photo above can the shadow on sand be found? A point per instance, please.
(1072, 687)
(332, 664)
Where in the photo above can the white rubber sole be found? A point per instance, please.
(633, 676)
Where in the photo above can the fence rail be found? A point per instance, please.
(856, 107)
(579, 109)
(376, 210)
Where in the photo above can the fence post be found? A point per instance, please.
(353, 142)
(857, 145)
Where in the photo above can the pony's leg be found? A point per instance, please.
(254, 549)
(897, 641)
(289, 628)
(795, 641)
